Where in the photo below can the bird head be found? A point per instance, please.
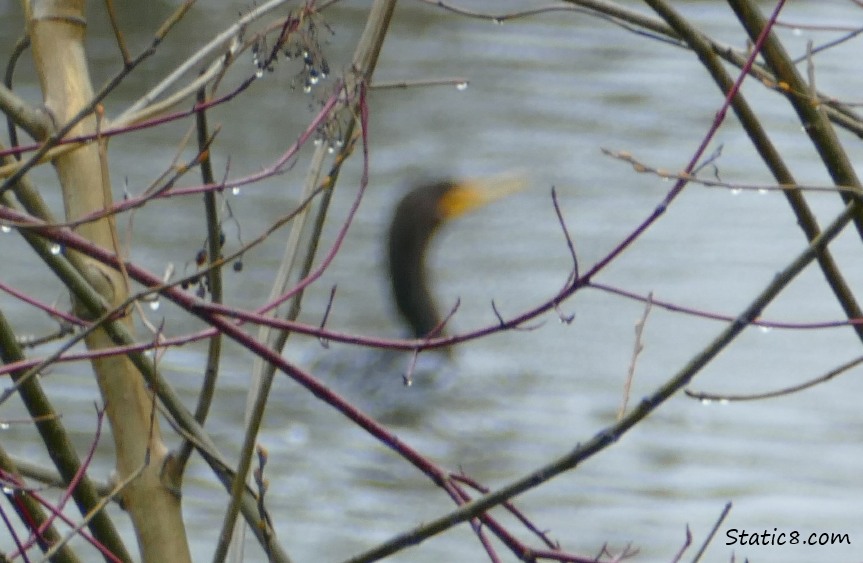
(417, 217)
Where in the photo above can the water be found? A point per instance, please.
(546, 94)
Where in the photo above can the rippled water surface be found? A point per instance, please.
(545, 94)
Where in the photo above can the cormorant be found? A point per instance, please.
(415, 221)
(374, 380)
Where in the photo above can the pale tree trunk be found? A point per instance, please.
(57, 30)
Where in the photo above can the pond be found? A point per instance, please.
(545, 94)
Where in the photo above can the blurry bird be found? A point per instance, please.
(416, 219)
(375, 380)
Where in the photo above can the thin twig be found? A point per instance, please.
(88, 108)
(118, 34)
(724, 398)
(637, 348)
(97, 509)
(686, 543)
(709, 538)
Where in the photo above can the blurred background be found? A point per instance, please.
(544, 95)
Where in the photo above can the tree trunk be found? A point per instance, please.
(57, 30)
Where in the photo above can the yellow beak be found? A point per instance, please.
(474, 193)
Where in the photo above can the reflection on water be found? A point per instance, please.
(544, 95)
(395, 387)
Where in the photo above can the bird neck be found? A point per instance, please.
(409, 283)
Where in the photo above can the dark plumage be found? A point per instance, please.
(415, 221)
(368, 379)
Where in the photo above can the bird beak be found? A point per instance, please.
(474, 193)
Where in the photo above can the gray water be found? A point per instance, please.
(544, 95)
